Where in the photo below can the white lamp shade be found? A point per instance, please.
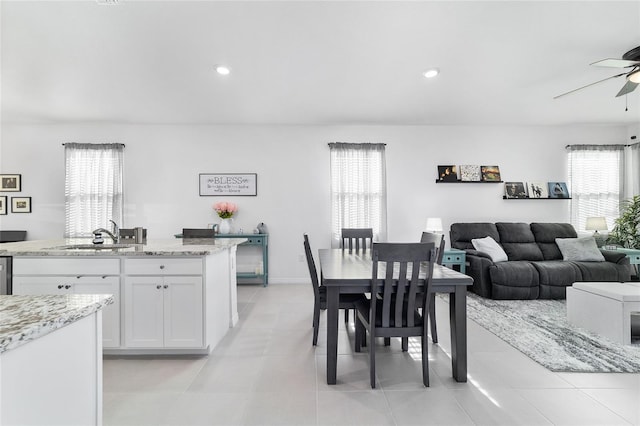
(596, 224)
(434, 224)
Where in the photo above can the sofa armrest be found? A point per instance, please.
(478, 269)
(615, 257)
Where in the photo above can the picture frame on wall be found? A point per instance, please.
(3, 204)
(538, 190)
(515, 190)
(558, 190)
(447, 174)
(10, 183)
(470, 173)
(490, 173)
(228, 184)
(20, 204)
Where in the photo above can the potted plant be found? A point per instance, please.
(626, 231)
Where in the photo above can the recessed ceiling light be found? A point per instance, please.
(107, 2)
(222, 70)
(430, 73)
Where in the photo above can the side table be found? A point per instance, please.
(261, 240)
(454, 257)
(633, 255)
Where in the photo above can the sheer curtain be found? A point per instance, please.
(93, 187)
(632, 171)
(358, 189)
(596, 177)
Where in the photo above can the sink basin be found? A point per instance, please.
(95, 247)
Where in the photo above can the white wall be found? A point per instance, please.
(292, 163)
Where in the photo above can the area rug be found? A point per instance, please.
(540, 330)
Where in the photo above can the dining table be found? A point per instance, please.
(344, 271)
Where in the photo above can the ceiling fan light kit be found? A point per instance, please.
(631, 59)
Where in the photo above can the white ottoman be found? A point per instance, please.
(604, 308)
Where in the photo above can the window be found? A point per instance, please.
(93, 187)
(596, 180)
(358, 189)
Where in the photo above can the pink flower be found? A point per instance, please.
(225, 209)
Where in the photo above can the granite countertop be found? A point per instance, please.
(169, 247)
(26, 318)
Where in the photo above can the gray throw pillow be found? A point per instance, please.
(580, 249)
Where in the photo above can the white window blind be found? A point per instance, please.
(596, 181)
(358, 189)
(93, 187)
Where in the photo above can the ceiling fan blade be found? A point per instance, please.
(628, 87)
(615, 63)
(589, 85)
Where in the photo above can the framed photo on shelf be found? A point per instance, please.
(537, 190)
(490, 173)
(470, 173)
(558, 190)
(447, 174)
(3, 204)
(20, 204)
(10, 183)
(515, 190)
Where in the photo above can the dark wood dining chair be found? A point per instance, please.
(346, 301)
(438, 241)
(393, 310)
(358, 238)
(198, 233)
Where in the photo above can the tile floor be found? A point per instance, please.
(266, 372)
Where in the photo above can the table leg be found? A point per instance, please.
(333, 295)
(458, 324)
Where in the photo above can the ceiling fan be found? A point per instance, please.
(631, 59)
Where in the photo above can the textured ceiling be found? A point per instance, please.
(315, 62)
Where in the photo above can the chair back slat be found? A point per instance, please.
(356, 238)
(311, 264)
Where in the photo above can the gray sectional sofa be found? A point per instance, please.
(535, 267)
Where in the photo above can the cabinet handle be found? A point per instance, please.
(161, 266)
(166, 286)
(104, 277)
(78, 277)
(60, 287)
(67, 286)
(158, 286)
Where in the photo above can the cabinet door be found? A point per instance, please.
(183, 301)
(111, 313)
(143, 313)
(39, 285)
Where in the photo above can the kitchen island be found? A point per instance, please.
(170, 296)
(51, 359)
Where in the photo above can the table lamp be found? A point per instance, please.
(434, 224)
(596, 224)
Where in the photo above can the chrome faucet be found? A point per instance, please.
(115, 235)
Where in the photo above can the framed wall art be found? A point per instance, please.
(3, 204)
(10, 183)
(20, 204)
(228, 184)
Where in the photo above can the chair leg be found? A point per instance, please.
(372, 359)
(316, 323)
(425, 361)
(346, 316)
(387, 341)
(360, 333)
(405, 344)
(432, 318)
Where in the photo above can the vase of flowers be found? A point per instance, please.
(225, 212)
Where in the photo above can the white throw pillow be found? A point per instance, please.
(489, 246)
(580, 249)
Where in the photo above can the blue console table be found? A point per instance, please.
(261, 240)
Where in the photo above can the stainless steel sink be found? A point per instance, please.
(95, 247)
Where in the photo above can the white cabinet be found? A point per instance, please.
(163, 310)
(90, 276)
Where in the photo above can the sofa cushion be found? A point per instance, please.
(579, 249)
(514, 280)
(545, 235)
(489, 246)
(555, 276)
(603, 271)
(518, 241)
(461, 234)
